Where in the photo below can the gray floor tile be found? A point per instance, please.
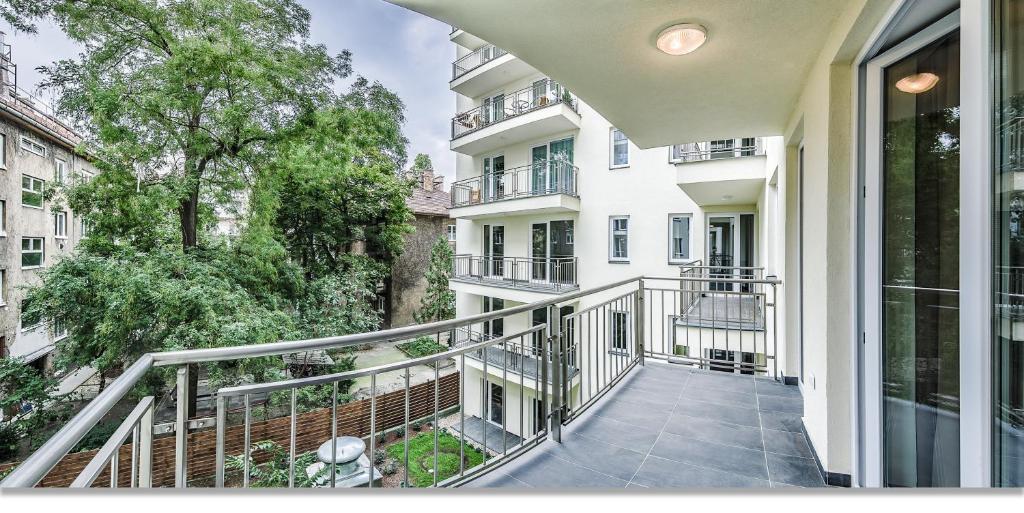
(496, 479)
(781, 404)
(781, 421)
(549, 471)
(794, 471)
(665, 398)
(727, 458)
(600, 456)
(638, 413)
(664, 473)
(718, 395)
(722, 381)
(715, 431)
(777, 389)
(720, 412)
(629, 436)
(784, 442)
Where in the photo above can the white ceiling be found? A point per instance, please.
(743, 82)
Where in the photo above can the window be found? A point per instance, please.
(86, 176)
(31, 252)
(60, 225)
(3, 151)
(60, 170)
(60, 329)
(678, 238)
(31, 192)
(3, 287)
(33, 146)
(451, 233)
(3, 218)
(86, 227)
(618, 331)
(619, 149)
(618, 240)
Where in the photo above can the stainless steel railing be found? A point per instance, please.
(543, 93)
(548, 274)
(552, 176)
(719, 149)
(31, 471)
(475, 59)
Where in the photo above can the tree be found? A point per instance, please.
(438, 302)
(422, 163)
(22, 14)
(190, 94)
(25, 400)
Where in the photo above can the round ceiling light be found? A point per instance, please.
(682, 39)
(917, 83)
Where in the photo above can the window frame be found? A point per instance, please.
(60, 171)
(689, 238)
(611, 149)
(451, 232)
(41, 192)
(3, 150)
(29, 144)
(41, 251)
(3, 218)
(613, 345)
(57, 225)
(3, 288)
(611, 239)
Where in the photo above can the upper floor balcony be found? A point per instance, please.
(465, 39)
(722, 172)
(541, 109)
(486, 69)
(546, 186)
(549, 275)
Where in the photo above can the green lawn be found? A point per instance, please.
(421, 457)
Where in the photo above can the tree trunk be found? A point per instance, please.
(189, 212)
(193, 389)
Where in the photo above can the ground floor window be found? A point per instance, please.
(618, 331)
(495, 402)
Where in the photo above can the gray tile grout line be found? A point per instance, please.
(764, 447)
(660, 431)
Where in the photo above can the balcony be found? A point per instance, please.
(515, 357)
(486, 69)
(548, 186)
(529, 276)
(542, 109)
(723, 172)
(611, 415)
(465, 39)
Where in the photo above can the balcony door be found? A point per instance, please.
(493, 178)
(560, 165)
(539, 252)
(563, 249)
(912, 261)
(494, 251)
(730, 248)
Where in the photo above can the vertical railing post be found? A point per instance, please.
(639, 320)
(146, 447)
(222, 420)
(181, 430)
(554, 339)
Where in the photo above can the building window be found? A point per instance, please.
(678, 238)
(618, 331)
(451, 233)
(86, 176)
(618, 239)
(619, 149)
(3, 151)
(3, 287)
(60, 225)
(33, 146)
(31, 192)
(3, 218)
(60, 171)
(86, 227)
(60, 329)
(31, 252)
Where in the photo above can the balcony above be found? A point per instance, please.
(724, 172)
(542, 109)
(486, 69)
(526, 279)
(465, 39)
(541, 188)
(523, 360)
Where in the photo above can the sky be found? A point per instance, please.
(407, 52)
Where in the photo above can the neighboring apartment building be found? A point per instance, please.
(37, 151)
(429, 204)
(551, 198)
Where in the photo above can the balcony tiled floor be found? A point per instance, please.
(667, 426)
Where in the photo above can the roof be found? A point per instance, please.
(429, 203)
(27, 111)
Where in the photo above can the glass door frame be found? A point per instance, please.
(974, 22)
(737, 238)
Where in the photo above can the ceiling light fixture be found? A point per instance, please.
(682, 39)
(917, 83)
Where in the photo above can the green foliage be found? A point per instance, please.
(22, 14)
(422, 346)
(389, 468)
(273, 471)
(342, 303)
(438, 301)
(379, 456)
(422, 162)
(97, 436)
(421, 457)
(22, 388)
(319, 396)
(9, 439)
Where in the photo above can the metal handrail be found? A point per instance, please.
(543, 177)
(475, 59)
(718, 149)
(39, 463)
(142, 443)
(554, 273)
(540, 94)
